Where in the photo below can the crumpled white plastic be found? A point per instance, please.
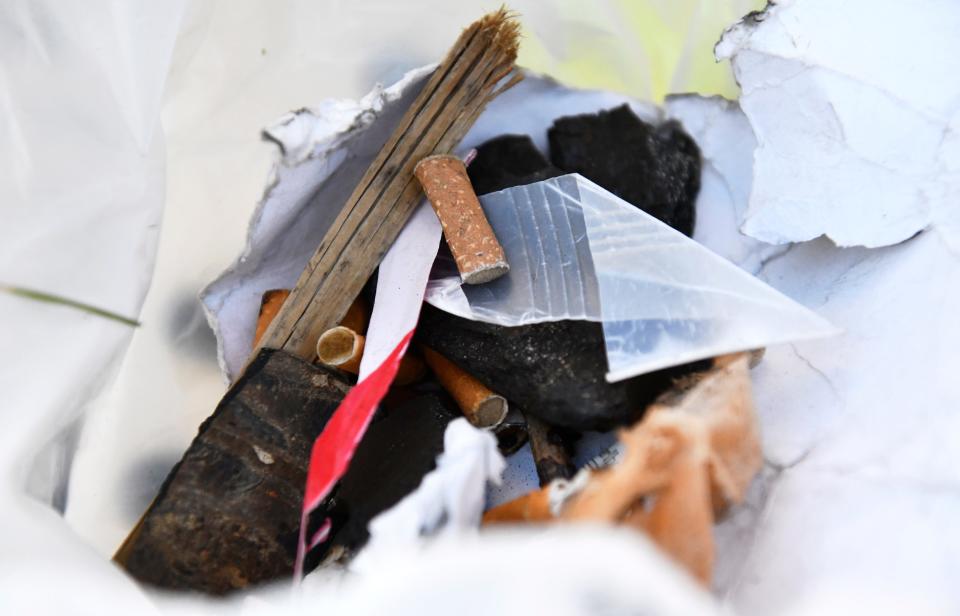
(82, 195)
(449, 501)
(559, 570)
(856, 108)
(577, 251)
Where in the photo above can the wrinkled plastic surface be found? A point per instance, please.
(577, 251)
(81, 198)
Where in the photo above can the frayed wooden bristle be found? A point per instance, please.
(477, 68)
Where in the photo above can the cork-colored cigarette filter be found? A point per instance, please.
(342, 348)
(482, 407)
(531, 507)
(472, 242)
(269, 307)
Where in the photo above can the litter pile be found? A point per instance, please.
(567, 298)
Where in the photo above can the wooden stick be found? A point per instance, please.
(550, 454)
(445, 109)
(356, 318)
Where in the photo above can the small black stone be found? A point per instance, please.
(506, 161)
(656, 168)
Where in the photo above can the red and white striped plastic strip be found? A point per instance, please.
(401, 284)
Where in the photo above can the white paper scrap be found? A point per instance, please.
(726, 143)
(856, 108)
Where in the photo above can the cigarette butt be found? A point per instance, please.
(269, 307)
(342, 348)
(481, 407)
(474, 246)
(531, 507)
(410, 371)
(357, 317)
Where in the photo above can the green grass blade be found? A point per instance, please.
(49, 298)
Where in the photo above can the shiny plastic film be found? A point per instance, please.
(577, 251)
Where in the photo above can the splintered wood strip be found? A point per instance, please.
(372, 217)
(413, 190)
(375, 180)
(442, 135)
(450, 139)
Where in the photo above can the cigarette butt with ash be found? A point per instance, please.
(543, 505)
(474, 246)
(342, 348)
(482, 407)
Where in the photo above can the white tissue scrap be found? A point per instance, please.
(577, 251)
(563, 570)
(856, 109)
(449, 501)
